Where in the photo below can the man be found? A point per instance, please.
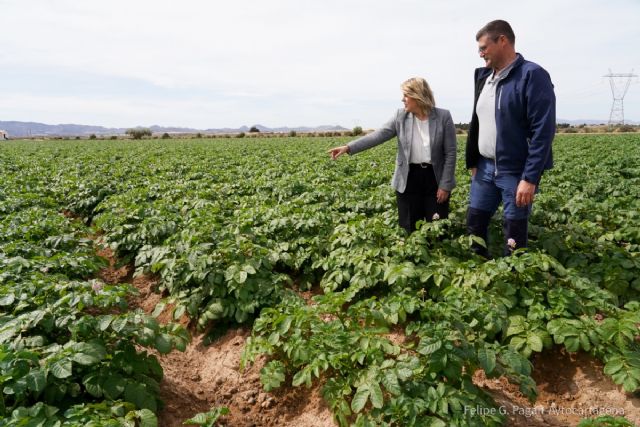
(510, 135)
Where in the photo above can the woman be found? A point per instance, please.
(426, 159)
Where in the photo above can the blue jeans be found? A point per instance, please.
(488, 189)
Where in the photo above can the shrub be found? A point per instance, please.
(356, 131)
(165, 136)
(626, 128)
(113, 137)
(138, 133)
(240, 135)
(254, 129)
(292, 133)
(93, 136)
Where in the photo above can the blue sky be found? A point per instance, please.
(210, 64)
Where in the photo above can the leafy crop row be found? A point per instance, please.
(399, 324)
(69, 349)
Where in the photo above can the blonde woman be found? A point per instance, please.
(426, 158)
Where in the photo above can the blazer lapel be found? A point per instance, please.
(408, 130)
(433, 123)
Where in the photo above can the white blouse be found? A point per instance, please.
(420, 142)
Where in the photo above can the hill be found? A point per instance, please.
(18, 129)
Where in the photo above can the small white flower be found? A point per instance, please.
(96, 286)
(435, 217)
(511, 243)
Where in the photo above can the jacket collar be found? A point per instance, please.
(410, 119)
(484, 72)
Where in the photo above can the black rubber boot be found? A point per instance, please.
(515, 234)
(478, 225)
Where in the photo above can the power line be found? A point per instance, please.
(619, 85)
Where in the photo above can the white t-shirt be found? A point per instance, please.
(486, 111)
(420, 142)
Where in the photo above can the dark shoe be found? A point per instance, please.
(515, 234)
(478, 225)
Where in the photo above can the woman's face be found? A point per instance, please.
(411, 105)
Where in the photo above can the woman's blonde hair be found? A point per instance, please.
(418, 89)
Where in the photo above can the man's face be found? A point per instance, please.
(490, 50)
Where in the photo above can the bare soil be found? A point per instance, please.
(570, 386)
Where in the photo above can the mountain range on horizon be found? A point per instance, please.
(30, 129)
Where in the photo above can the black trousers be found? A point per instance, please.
(418, 202)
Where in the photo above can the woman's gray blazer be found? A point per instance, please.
(443, 146)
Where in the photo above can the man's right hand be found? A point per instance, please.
(338, 151)
(473, 172)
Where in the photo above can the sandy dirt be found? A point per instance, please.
(570, 386)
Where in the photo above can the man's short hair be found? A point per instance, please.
(497, 28)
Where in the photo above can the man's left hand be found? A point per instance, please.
(525, 193)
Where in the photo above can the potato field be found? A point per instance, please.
(271, 235)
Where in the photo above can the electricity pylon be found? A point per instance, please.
(619, 86)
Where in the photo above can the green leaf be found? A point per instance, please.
(114, 386)
(391, 383)
(88, 353)
(147, 418)
(36, 380)
(178, 312)
(242, 276)
(7, 299)
(375, 395)
(535, 342)
(404, 373)
(303, 376)
(630, 384)
(118, 324)
(425, 347)
(61, 368)
(517, 325)
(436, 422)
(284, 326)
(159, 308)
(163, 343)
(360, 398)
(198, 419)
(139, 396)
(180, 343)
(572, 344)
(92, 384)
(272, 375)
(584, 342)
(487, 359)
(104, 322)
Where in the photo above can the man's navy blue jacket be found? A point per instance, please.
(525, 121)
